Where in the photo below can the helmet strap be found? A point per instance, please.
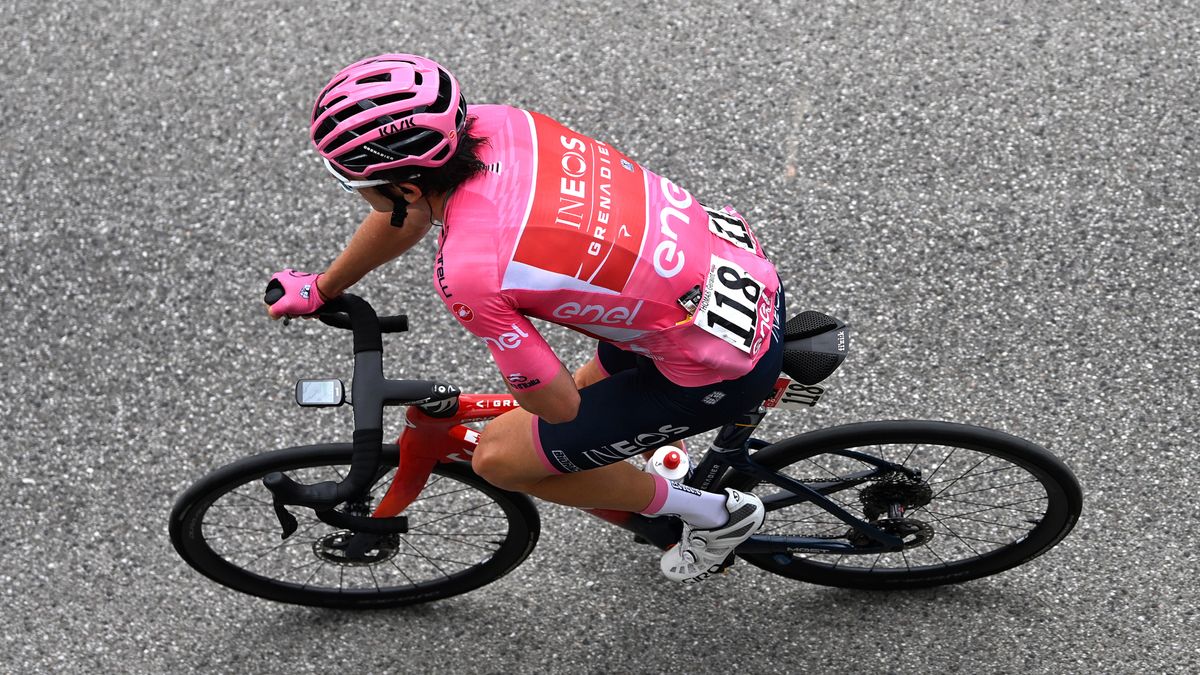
(399, 212)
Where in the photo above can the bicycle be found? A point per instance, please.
(887, 505)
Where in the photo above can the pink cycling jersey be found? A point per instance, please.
(567, 229)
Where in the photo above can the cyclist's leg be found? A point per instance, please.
(609, 360)
(507, 458)
(579, 463)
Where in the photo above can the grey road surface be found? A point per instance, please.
(1000, 196)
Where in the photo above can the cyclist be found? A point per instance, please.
(538, 221)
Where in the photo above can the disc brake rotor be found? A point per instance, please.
(356, 548)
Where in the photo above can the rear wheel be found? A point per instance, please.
(463, 533)
(985, 502)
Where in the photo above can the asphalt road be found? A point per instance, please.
(1000, 196)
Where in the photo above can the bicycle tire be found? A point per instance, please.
(200, 535)
(1059, 507)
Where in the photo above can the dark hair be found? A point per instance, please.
(463, 165)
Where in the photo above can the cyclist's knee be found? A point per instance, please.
(495, 462)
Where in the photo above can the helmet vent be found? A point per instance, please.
(324, 129)
(445, 89)
(414, 143)
(382, 77)
(341, 140)
(461, 115)
(392, 98)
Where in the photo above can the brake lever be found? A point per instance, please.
(286, 520)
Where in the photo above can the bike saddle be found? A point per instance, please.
(814, 345)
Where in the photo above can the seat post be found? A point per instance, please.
(734, 436)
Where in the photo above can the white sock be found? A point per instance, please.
(704, 510)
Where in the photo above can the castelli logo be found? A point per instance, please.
(463, 312)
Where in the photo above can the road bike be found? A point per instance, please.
(876, 505)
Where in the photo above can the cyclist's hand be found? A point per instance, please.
(292, 293)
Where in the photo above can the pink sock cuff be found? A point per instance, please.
(661, 487)
(537, 448)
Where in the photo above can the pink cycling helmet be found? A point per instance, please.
(388, 112)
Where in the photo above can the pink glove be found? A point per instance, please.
(299, 294)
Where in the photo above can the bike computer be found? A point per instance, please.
(320, 393)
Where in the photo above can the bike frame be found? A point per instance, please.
(428, 440)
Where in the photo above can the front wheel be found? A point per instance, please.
(463, 533)
(985, 502)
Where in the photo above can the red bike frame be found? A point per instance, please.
(427, 440)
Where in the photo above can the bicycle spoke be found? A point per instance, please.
(943, 463)
(955, 535)
(314, 574)
(437, 520)
(314, 561)
(964, 475)
(990, 488)
(993, 507)
(422, 555)
(242, 528)
(425, 497)
(261, 553)
(402, 572)
(453, 513)
(412, 532)
(430, 560)
(1010, 467)
(942, 516)
(464, 543)
(250, 498)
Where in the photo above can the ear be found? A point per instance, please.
(410, 191)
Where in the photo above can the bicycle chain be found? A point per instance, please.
(893, 477)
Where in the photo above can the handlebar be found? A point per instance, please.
(331, 313)
(371, 392)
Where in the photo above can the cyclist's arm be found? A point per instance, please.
(556, 402)
(531, 370)
(373, 244)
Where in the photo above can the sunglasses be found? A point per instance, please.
(352, 185)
